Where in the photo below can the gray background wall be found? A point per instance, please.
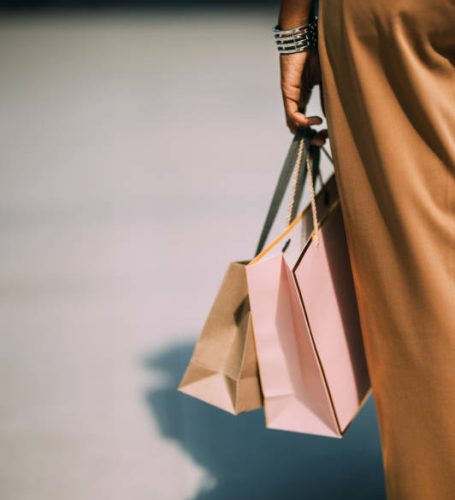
(138, 152)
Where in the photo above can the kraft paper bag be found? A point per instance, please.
(312, 366)
(223, 368)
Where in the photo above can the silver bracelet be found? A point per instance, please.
(298, 39)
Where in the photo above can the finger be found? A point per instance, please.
(294, 107)
(296, 116)
(318, 141)
(320, 138)
(324, 132)
(300, 120)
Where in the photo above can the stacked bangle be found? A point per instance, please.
(298, 39)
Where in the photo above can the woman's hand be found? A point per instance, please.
(299, 73)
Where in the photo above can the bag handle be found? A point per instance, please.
(296, 155)
(314, 210)
(305, 150)
(311, 158)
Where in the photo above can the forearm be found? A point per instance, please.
(295, 13)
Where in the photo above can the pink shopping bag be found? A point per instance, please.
(306, 326)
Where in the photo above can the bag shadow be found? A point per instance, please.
(245, 460)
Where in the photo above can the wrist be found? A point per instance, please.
(300, 39)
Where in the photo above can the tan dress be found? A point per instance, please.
(389, 90)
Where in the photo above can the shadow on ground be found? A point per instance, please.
(248, 461)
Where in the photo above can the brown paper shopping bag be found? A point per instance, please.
(223, 368)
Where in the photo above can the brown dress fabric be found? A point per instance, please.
(389, 91)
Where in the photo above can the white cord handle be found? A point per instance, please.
(296, 176)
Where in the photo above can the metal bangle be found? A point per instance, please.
(298, 39)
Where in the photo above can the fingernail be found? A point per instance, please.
(315, 120)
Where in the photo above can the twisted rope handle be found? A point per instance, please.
(314, 211)
(304, 151)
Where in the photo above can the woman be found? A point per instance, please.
(388, 83)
